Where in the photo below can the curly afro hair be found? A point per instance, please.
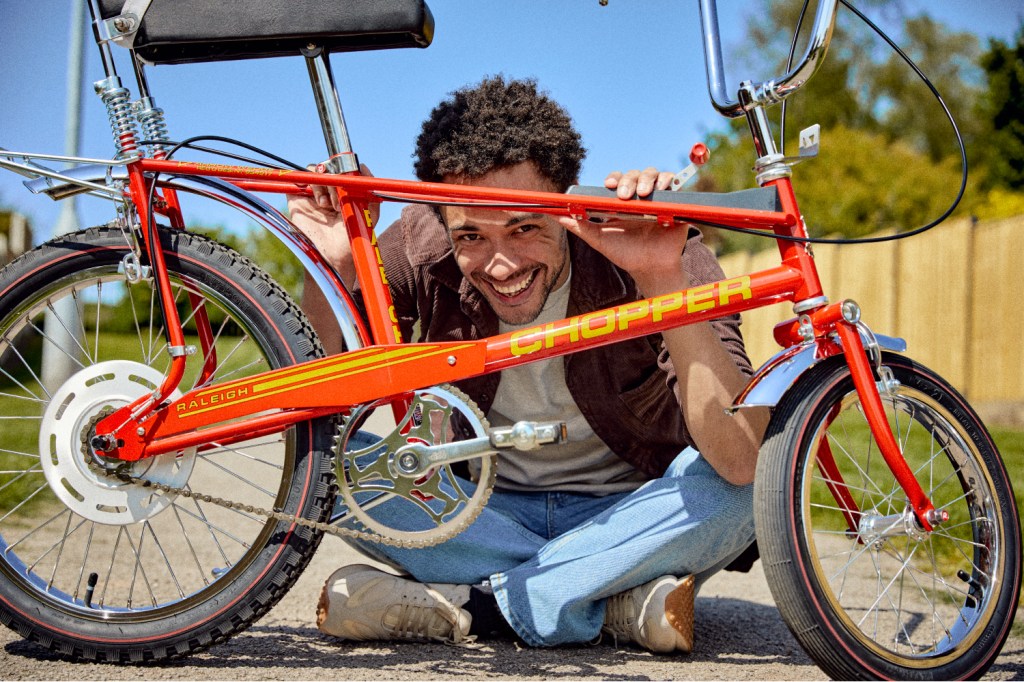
(499, 123)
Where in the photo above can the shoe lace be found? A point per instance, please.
(620, 617)
(417, 619)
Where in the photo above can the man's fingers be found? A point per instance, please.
(638, 182)
(664, 180)
(612, 181)
(627, 186)
(647, 181)
(323, 196)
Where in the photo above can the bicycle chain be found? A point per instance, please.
(121, 474)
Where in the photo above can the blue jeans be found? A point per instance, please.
(552, 558)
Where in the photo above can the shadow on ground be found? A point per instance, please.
(729, 631)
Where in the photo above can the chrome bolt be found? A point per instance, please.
(140, 431)
(451, 360)
(408, 462)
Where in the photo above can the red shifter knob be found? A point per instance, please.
(699, 154)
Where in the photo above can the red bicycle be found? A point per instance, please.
(171, 419)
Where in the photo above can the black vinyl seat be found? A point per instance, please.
(182, 31)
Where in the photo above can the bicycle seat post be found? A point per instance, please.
(332, 120)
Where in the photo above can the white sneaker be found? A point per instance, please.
(657, 615)
(362, 603)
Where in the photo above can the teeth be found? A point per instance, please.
(513, 290)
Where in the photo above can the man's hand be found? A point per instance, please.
(649, 252)
(638, 183)
(325, 228)
(319, 218)
(708, 378)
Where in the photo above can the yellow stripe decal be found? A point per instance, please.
(332, 370)
(340, 370)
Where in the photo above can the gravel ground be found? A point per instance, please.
(740, 636)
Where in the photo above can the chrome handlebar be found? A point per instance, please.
(771, 91)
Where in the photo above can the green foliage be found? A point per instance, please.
(888, 159)
(906, 110)
(860, 183)
(1002, 106)
(1000, 203)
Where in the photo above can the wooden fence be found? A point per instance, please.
(950, 292)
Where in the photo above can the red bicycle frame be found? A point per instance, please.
(388, 368)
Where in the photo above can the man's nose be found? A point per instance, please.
(501, 264)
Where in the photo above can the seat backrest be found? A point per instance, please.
(181, 31)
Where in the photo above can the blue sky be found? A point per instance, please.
(631, 74)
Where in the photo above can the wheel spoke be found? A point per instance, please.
(105, 563)
(905, 595)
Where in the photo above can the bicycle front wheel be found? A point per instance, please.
(101, 569)
(866, 591)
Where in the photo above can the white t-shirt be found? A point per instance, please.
(537, 392)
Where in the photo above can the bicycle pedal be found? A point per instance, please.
(528, 435)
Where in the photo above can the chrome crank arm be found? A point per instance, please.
(415, 459)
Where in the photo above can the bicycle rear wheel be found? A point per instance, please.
(104, 570)
(864, 589)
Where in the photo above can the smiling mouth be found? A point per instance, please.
(513, 290)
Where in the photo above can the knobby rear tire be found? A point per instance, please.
(888, 601)
(186, 574)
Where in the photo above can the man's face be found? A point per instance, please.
(514, 258)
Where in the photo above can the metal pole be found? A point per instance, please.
(332, 120)
(57, 363)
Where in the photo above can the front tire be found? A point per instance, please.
(101, 570)
(867, 593)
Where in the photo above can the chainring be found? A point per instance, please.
(433, 507)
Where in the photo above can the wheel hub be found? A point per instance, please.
(875, 527)
(76, 473)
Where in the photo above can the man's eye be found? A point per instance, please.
(467, 237)
(530, 227)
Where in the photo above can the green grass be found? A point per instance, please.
(941, 489)
(1011, 447)
(852, 440)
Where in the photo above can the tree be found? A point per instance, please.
(860, 183)
(1003, 106)
(888, 156)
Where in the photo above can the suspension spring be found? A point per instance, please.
(119, 112)
(154, 125)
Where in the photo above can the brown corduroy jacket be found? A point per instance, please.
(627, 390)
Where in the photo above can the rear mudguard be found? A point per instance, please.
(354, 334)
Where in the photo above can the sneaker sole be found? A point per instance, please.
(679, 612)
(321, 607)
